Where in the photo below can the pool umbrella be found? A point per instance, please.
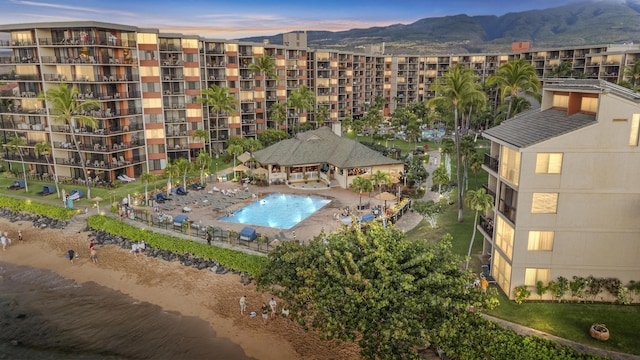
(97, 199)
(386, 196)
(261, 171)
(241, 168)
(244, 157)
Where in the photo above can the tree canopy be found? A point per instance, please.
(374, 287)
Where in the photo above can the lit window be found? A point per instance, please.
(589, 104)
(149, 71)
(544, 203)
(635, 128)
(190, 43)
(194, 113)
(532, 276)
(504, 237)
(154, 133)
(501, 270)
(152, 103)
(561, 101)
(540, 241)
(510, 165)
(191, 72)
(147, 38)
(548, 163)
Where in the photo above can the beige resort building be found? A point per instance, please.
(565, 182)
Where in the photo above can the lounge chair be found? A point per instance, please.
(46, 190)
(123, 178)
(76, 195)
(17, 185)
(128, 178)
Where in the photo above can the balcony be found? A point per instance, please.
(490, 162)
(508, 210)
(486, 224)
(489, 191)
(28, 159)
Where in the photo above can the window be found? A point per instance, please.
(560, 101)
(154, 133)
(540, 241)
(153, 118)
(194, 113)
(504, 237)
(501, 270)
(589, 104)
(548, 163)
(532, 276)
(147, 39)
(635, 128)
(152, 103)
(155, 148)
(149, 71)
(190, 43)
(544, 203)
(150, 87)
(147, 55)
(510, 165)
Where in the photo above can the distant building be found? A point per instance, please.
(519, 46)
(296, 39)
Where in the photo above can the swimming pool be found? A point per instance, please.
(281, 211)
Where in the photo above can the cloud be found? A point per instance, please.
(74, 8)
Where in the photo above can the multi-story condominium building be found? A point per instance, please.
(564, 180)
(149, 84)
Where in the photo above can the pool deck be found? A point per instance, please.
(323, 219)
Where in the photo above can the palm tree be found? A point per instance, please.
(514, 77)
(633, 73)
(15, 146)
(448, 148)
(219, 100)
(361, 184)
(477, 200)
(235, 150)
(301, 99)
(518, 105)
(67, 110)
(171, 170)
(203, 161)
(203, 135)
(279, 113)
(322, 115)
(467, 148)
(44, 148)
(562, 70)
(147, 178)
(380, 177)
(475, 165)
(440, 177)
(265, 66)
(454, 87)
(184, 166)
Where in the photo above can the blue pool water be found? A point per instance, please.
(280, 211)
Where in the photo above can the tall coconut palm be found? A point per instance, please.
(452, 89)
(361, 184)
(448, 148)
(321, 115)
(479, 201)
(219, 100)
(475, 165)
(203, 161)
(301, 99)
(518, 105)
(235, 150)
(515, 77)
(184, 167)
(440, 177)
(171, 170)
(146, 179)
(15, 145)
(66, 109)
(203, 135)
(264, 66)
(467, 148)
(379, 178)
(633, 73)
(279, 114)
(44, 148)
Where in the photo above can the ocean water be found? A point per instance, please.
(45, 316)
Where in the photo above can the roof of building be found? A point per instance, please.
(536, 126)
(321, 146)
(593, 86)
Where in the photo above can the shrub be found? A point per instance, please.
(540, 289)
(522, 293)
(50, 211)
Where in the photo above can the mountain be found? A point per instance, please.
(583, 23)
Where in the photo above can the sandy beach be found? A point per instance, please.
(174, 288)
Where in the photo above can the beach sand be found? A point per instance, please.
(191, 295)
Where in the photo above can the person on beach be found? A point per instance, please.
(94, 255)
(265, 313)
(20, 239)
(243, 304)
(208, 238)
(70, 255)
(91, 244)
(273, 305)
(4, 241)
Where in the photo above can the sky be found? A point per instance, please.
(245, 18)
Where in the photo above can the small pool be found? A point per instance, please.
(279, 211)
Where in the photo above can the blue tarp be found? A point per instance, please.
(248, 234)
(179, 219)
(368, 217)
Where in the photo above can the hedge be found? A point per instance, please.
(36, 208)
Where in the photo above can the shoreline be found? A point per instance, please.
(174, 288)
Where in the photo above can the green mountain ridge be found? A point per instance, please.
(583, 23)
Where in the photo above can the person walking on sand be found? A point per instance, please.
(273, 305)
(20, 236)
(70, 255)
(94, 255)
(3, 240)
(91, 244)
(208, 238)
(243, 304)
(265, 313)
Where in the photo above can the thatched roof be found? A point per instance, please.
(321, 146)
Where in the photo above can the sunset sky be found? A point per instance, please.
(243, 18)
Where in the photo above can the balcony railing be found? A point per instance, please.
(27, 158)
(507, 210)
(490, 162)
(486, 224)
(489, 191)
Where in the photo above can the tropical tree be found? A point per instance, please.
(203, 135)
(146, 179)
(346, 122)
(218, 100)
(430, 210)
(633, 73)
(44, 148)
(203, 161)
(448, 148)
(279, 114)
(15, 145)
(66, 109)
(440, 177)
(518, 104)
(479, 201)
(271, 136)
(374, 287)
(467, 148)
(475, 165)
(453, 88)
(562, 70)
(184, 167)
(321, 115)
(361, 184)
(301, 100)
(515, 77)
(171, 170)
(264, 66)
(234, 150)
(379, 178)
